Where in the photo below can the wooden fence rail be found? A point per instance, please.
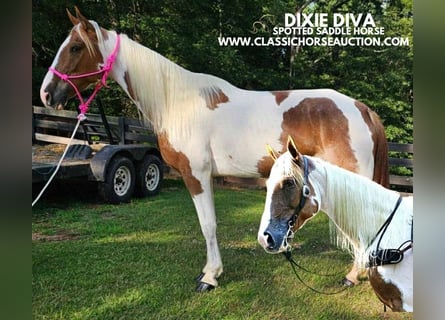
(56, 126)
(401, 155)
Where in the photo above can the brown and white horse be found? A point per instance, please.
(207, 127)
(377, 222)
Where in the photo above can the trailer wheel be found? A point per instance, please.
(119, 181)
(149, 177)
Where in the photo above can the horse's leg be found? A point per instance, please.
(196, 173)
(199, 183)
(205, 209)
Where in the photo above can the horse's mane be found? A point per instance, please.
(359, 207)
(166, 93)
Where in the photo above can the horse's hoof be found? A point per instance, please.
(199, 278)
(204, 287)
(347, 283)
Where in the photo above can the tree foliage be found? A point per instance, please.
(186, 32)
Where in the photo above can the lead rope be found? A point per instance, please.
(289, 258)
(294, 264)
(58, 164)
(83, 107)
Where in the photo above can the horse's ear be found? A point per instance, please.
(79, 18)
(73, 19)
(292, 148)
(271, 152)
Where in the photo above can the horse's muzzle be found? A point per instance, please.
(274, 241)
(54, 93)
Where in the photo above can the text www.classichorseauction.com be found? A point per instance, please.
(318, 29)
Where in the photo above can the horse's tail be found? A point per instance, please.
(381, 167)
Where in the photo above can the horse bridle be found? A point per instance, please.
(305, 192)
(105, 70)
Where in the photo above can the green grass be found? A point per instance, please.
(138, 261)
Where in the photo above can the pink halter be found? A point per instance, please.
(105, 70)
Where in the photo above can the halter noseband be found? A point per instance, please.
(305, 192)
(105, 70)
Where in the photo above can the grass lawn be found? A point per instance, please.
(138, 261)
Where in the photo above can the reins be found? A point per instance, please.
(83, 107)
(305, 192)
(386, 223)
(379, 257)
(294, 264)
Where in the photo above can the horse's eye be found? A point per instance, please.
(75, 48)
(288, 183)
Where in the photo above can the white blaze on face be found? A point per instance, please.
(276, 174)
(265, 219)
(49, 75)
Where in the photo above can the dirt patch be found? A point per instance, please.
(236, 183)
(107, 215)
(62, 235)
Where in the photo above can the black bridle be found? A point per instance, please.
(305, 193)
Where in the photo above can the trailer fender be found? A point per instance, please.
(101, 160)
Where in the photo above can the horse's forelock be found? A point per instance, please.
(296, 172)
(289, 168)
(86, 37)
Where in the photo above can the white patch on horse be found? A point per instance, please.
(359, 141)
(49, 75)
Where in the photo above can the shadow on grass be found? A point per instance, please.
(64, 193)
